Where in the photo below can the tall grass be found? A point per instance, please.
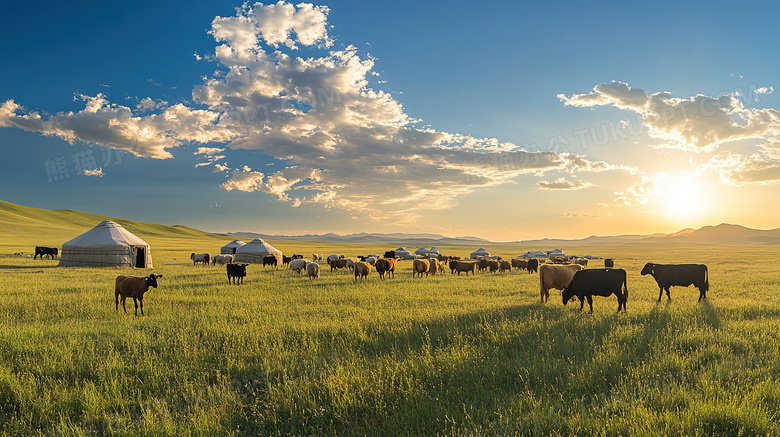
(439, 355)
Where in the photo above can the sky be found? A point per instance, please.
(504, 120)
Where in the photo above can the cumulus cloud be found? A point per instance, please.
(698, 123)
(735, 169)
(562, 184)
(340, 143)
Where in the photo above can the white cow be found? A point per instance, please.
(221, 259)
(298, 265)
(200, 258)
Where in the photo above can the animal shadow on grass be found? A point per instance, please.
(708, 314)
(488, 355)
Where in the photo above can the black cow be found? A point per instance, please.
(51, 252)
(297, 256)
(670, 275)
(389, 254)
(270, 260)
(286, 260)
(533, 265)
(236, 273)
(597, 282)
(609, 263)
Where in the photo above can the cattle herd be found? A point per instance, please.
(562, 273)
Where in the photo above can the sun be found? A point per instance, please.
(684, 199)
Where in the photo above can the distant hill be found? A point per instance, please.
(44, 225)
(17, 220)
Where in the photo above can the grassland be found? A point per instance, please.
(443, 355)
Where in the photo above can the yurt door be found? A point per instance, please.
(140, 257)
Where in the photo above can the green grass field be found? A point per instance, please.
(443, 355)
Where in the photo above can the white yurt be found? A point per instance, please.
(255, 251)
(231, 247)
(401, 252)
(107, 244)
(556, 252)
(479, 253)
(422, 251)
(434, 251)
(534, 254)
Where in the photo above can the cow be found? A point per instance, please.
(135, 287)
(420, 266)
(369, 259)
(504, 266)
(340, 263)
(270, 260)
(313, 270)
(236, 273)
(683, 275)
(221, 259)
(317, 257)
(200, 258)
(555, 276)
(362, 269)
(533, 265)
(285, 260)
(521, 264)
(435, 266)
(482, 264)
(581, 261)
(385, 266)
(463, 266)
(597, 282)
(51, 252)
(390, 254)
(297, 256)
(493, 265)
(298, 264)
(609, 263)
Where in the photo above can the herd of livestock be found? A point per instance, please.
(562, 273)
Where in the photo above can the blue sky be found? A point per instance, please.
(507, 120)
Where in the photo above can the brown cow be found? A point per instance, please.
(521, 264)
(504, 266)
(420, 266)
(463, 266)
(555, 276)
(135, 287)
(435, 266)
(361, 269)
(385, 265)
(340, 263)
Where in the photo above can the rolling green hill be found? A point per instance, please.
(23, 226)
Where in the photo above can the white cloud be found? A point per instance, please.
(698, 123)
(96, 172)
(563, 184)
(734, 169)
(573, 215)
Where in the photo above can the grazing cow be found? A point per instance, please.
(297, 256)
(504, 266)
(135, 287)
(493, 265)
(270, 260)
(369, 259)
(340, 263)
(236, 273)
(597, 282)
(521, 264)
(285, 260)
(683, 275)
(609, 263)
(420, 266)
(581, 261)
(482, 264)
(221, 259)
(390, 254)
(313, 270)
(435, 266)
(463, 266)
(385, 266)
(51, 252)
(533, 265)
(298, 265)
(362, 269)
(200, 258)
(555, 276)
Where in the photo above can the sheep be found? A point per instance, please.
(135, 287)
(313, 270)
(298, 265)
